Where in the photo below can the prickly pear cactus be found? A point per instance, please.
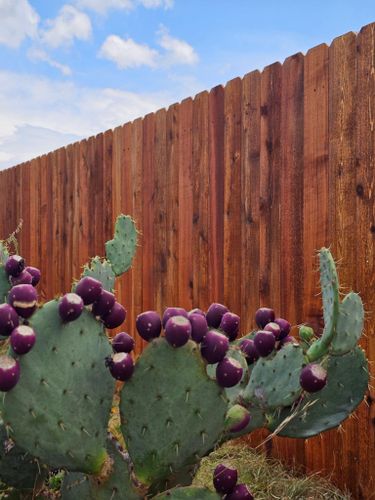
(101, 270)
(64, 394)
(190, 492)
(349, 324)
(172, 414)
(4, 281)
(120, 251)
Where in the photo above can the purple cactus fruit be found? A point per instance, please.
(24, 299)
(214, 314)
(22, 339)
(14, 265)
(103, 304)
(228, 372)
(115, 317)
(8, 319)
(199, 327)
(177, 331)
(120, 365)
(9, 373)
(273, 328)
(35, 274)
(240, 492)
(264, 342)
(263, 316)
(230, 324)
(173, 311)
(287, 340)
(148, 325)
(89, 289)
(70, 307)
(242, 424)
(225, 478)
(24, 278)
(196, 311)
(123, 342)
(313, 377)
(247, 346)
(285, 327)
(214, 346)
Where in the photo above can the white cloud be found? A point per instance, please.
(39, 114)
(69, 24)
(177, 51)
(18, 20)
(35, 54)
(103, 6)
(126, 53)
(154, 4)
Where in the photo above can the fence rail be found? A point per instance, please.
(233, 192)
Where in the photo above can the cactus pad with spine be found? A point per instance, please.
(64, 393)
(101, 270)
(171, 412)
(347, 379)
(349, 324)
(274, 382)
(120, 251)
(4, 254)
(188, 492)
(4, 279)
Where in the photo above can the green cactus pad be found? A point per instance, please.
(347, 379)
(349, 324)
(4, 285)
(274, 382)
(64, 394)
(118, 486)
(4, 254)
(171, 412)
(189, 492)
(101, 270)
(120, 251)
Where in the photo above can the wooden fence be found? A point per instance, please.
(233, 192)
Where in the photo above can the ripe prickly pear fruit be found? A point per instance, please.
(247, 346)
(70, 307)
(8, 319)
(196, 311)
(287, 340)
(313, 377)
(263, 316)
(230, 324)
(177, 331)
(9, 373)
(199, 327)
(273, 328)
(35, 274)
(115, 317)
(24, 278)
(264, 342)
(89, 289)
(214, 346)
(123, 342)
(228, 372)
(103, 304)
(173, 311)
(120, 365)
(24, 299)
(285, 327)
(22, 339)
(14, 265)
(214, 314)
(225, 478)
(240, 492)
(148, 325)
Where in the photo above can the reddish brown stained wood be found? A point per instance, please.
(109, 218)
(90, 193)
(250, 184)
(216, 194)
(200, 211)
(315, 200)
(85, 230)
(185, 208)
(96, 194)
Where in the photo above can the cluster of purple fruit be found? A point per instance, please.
(90, 292)
(212, 330)
(225, 482)
(121, 363)
(22, 300)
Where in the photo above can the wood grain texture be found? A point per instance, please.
(233, 192)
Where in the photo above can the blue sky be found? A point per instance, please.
(69, 69)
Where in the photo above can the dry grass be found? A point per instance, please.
(267, 478)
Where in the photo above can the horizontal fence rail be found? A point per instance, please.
(233, 192)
